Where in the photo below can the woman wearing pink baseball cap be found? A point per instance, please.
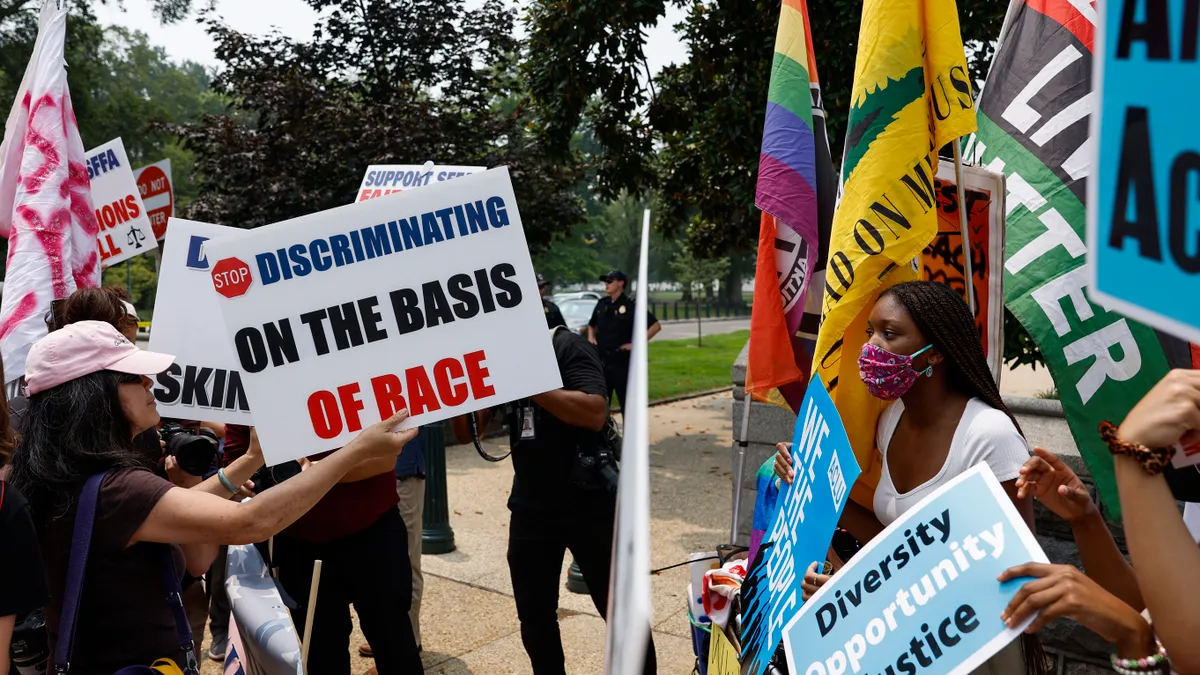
(89, 396)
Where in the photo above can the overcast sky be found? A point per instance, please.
(295, 19)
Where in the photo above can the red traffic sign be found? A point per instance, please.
(231, 277)
(157, 196)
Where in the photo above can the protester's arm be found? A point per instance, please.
(591, 334)
(6, 630)
(238, 472)
(188, 516)
(653, 330)
(1024, 503)
(369, 469)
(1165, 557)
(859, 521)
(577, 408)
(199, 556)
(217, 428)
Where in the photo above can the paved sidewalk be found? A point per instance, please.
(469, 619)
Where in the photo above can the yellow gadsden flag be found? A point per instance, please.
(911, 96)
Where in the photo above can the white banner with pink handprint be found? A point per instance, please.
(45, 197)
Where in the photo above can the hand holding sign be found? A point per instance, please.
(382, 440)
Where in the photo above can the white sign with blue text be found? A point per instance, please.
(1142, 211)
(204, 382)
(808, 512)
(124, 228)
(922, 597)
(382, 180)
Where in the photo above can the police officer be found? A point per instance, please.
(558, 500)
(611, 330)
(554, 317)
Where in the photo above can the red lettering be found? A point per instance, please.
(387, 395)
(122, 211)
(323, 410)
(477, 373)
(451, 394)
(366, 194)
(132, 203)
(421, 396)
(109, 218)
(348, 395)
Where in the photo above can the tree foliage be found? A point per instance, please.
(401, 82)
(695, 273)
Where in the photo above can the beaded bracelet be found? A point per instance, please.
(1156, 662)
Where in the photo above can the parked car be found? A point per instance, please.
(560, 298)
(577, 312)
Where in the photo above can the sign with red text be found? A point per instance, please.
(204, 382)
(426, 301)
(385, 179)
(158, 196)
(125, 230)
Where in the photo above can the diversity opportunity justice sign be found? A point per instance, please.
(125, 231)
(1143, 214)
(385, 179)
(922, 597)
(808, 512)
(426, 301)
(204, 382)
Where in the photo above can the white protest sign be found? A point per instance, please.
(158, 195)
(426, 301)
(125, 230)
(385, 179)
(203, 383)
(629, 610)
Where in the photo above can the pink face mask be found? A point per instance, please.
(888, 376)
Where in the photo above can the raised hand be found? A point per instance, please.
(1054, 484)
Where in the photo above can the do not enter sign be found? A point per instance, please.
(154, 184)
(231, 277)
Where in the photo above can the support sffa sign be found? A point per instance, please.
(425, 301)
(1144, 213)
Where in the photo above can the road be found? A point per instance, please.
(679, 331)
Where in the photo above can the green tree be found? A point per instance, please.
(695, 273)
(382, 82)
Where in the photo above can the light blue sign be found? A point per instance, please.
(1143, 210)
(922, 597)
(808, 512)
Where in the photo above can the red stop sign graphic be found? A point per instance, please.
(155, 188)
(231, 277)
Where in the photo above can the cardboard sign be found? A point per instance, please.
(204, 382)
(808, 512)
(158, 196)
(922, 596)
(722, 657)
(426, 301)
(385, 179)
(125, 231)
(1142, 213)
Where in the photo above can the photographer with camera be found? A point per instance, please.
(563, 497)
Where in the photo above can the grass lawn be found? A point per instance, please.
(680, 367)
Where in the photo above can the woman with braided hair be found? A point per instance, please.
(923, 351)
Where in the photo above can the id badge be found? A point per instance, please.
(527, 430)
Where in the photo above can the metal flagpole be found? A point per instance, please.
(739, 468)
(969, 275)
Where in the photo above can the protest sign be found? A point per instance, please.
(808, 512)
(426, 301)
(1140, 224)
(385, 179)
(125, 231)
(158, 195)
(942, 260)
(629, 611)
(722, 657)
(922, 596)
(204, 382)
(267, 637)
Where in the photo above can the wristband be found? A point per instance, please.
(1153, 460)
(1155, 663)
(226, 482)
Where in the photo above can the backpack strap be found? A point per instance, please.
(81, 541)
(187, 647)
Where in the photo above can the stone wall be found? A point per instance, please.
(1073, 649)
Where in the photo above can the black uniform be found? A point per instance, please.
(551, 512)
(613, 321)
(554, 316)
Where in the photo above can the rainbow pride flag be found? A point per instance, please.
(796, 191)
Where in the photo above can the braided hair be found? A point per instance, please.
(944, 318)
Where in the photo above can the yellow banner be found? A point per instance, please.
(722, 657)
(911, 96)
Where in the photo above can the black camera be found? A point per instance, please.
(269, 476)
(596, 466)
(194, 450)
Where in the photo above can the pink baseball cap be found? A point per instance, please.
(84, 348)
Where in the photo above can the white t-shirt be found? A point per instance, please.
(984, 434)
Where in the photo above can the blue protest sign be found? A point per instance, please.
(922, 596)
(808, 512)
(1142, 211)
